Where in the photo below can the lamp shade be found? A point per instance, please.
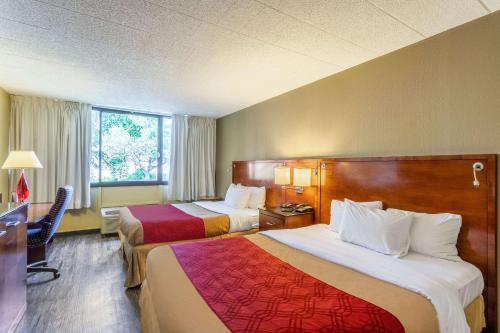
(302, 177)
(282, 175)
(22, 159)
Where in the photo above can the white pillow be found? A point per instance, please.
(337, 211)
(257, 197)
(376, 229)
(237, 197)
(435, 235)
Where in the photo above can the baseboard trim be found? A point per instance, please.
(111, 234)
(77, 232)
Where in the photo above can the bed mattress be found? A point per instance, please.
(170, 302)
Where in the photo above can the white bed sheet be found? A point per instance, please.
(450, 286)
(239, 219)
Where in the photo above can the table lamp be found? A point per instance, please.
(301, 179)
(22, 159)
(282, 175)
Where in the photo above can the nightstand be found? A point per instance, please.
(210, 199)
(274, 218)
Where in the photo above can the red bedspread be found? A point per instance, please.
(252, 291)
(166, 223)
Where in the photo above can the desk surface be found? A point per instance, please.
(6, 208)
(35, 211)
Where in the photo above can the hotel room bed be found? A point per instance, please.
(172, 302)
(142, 228)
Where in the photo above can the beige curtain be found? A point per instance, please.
(192, 158)
(59, 133)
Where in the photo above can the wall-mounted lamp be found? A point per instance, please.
(301, 179)
(282, 175)
(478, 166)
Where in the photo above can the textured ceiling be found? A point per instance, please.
(208, 57)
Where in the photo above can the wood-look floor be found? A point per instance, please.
(88, 297)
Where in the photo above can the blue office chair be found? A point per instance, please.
(41, 232)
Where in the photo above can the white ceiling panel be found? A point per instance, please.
(206, 10)
(209, 57)
(492, 5)
(441, 15)
(283, 31)
(357, 21)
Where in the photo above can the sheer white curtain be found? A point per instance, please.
(192, 158)
(59, 133)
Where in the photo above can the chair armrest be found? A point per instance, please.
(39, 223)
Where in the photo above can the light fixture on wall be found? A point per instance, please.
(301, 179)
(22, 159)
(282, 175)
(478, 166)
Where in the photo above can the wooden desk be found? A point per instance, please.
(12, 265)
(36, 211)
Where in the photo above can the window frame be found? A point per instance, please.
(120, 183)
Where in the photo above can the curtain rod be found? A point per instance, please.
(111, 108)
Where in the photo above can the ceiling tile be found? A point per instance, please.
(356, 21)
(208, 57)
(28, 12)
(205, 10)
(239, 14)
(288, 33)
(493, 5)
(432, 16)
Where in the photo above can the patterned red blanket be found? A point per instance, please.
(166, 223)
(252, 291)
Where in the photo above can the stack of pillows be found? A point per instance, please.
(394, 232)
(239, 196)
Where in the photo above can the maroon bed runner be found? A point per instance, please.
(252, 291)
(166, 223)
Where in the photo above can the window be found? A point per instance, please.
(128, 148)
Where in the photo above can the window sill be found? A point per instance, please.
(129, 183)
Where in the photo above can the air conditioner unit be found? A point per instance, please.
(110, 220)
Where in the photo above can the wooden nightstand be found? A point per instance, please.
(274, 218)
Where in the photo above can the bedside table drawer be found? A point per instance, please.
(267, 222)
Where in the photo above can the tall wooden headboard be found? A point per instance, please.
(427, 184)
(261, 173)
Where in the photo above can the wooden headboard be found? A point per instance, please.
(261, 173)
(427, 184)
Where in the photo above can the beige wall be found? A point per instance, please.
(4, 141)
(439, 96)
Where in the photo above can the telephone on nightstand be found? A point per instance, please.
(287, 207)
(299, 208)
(303, 208)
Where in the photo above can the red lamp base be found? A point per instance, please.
(22, 190)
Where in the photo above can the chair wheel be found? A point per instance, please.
(56, 275)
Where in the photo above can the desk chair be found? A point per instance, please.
(41, 232)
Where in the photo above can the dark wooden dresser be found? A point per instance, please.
(13, 219)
